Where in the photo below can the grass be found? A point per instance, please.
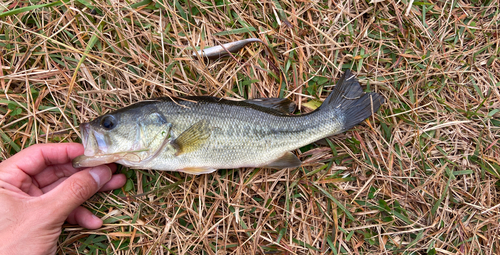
(419, 177)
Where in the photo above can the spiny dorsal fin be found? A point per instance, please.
(283, 105)
(288, 160)
(192, 138)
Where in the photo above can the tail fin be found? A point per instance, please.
(348, 98)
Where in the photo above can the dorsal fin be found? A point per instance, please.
(246, 103)
(283, 105)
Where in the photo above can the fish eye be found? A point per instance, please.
(108, 122)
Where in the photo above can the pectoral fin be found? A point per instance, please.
(288, 160)
(197, 170)
(193, 138)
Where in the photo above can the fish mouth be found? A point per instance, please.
(94, 142)
(95, 149)
(84, 130)
(98, 149)
(92, 161)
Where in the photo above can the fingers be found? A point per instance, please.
(80, 215)
(84, 218)
(117, 181)
(36, 158)
(72, 192)
(53, 173)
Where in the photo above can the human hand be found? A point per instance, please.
(40, 189)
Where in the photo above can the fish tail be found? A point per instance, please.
(349, 100)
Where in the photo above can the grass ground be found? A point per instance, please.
(419, 177)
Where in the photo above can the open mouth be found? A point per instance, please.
(84, 128)
(93, 141)
(86, 141)
(95, 147)
(98, 149)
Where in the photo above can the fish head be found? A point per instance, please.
(108, 134)
(130, 135)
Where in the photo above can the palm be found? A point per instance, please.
(36, 198)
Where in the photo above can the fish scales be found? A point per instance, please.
(243, 134)
(201, 134)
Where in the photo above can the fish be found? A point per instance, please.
(224, 50)
(200, 134)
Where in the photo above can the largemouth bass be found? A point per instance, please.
(198, 135)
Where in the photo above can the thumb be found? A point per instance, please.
(75, 190)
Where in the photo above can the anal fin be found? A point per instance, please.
(197, 170)
(288, 160)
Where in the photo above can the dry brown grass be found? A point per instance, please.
(420, 177)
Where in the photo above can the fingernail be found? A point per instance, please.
(101, 174)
